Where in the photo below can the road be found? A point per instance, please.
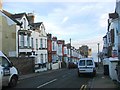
(62, 78)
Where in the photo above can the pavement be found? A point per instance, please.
(99, 81)
(103, 81)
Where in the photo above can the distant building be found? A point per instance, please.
(21, 37)
(54, 50)
(84, 50)
(111, 47)
(89, 52)
(49, 45)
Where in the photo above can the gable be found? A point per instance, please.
(9, 21)
(42, 28)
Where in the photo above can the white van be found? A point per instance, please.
(86, 65)
(8, 73)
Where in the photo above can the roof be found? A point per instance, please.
(36, 24)
(10, 16)
(113, 15)
(105, 36)
(19, 15)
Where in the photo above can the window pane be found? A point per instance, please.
(5, 63)
(89, 62)
(32, 42)
(82, 63)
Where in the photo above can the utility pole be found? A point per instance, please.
(98, 54)
(70, 51)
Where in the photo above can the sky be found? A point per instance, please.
(84, 21)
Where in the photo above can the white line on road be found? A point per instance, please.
(46, 83)
(82, 87)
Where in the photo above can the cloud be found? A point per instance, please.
(103, 20)
(65, 19)
(85, 23)
(59, 0)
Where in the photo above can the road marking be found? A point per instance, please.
(46, 83)
(83, 87)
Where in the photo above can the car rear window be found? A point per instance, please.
(82, 63)
(89, 63)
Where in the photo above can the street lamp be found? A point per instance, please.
(98, 53)
(70, 51)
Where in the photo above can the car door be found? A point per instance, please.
(6, 71)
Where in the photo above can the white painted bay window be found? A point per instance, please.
(25, 40)
(28, 41)
(45, 43)
(42, 58)
(36, 43)
(41, 43)
(22, 41)
(32, 43)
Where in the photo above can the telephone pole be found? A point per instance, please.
(98, 54)
(70, 51)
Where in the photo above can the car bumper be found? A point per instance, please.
(85, 70)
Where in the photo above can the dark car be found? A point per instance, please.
(72, 65)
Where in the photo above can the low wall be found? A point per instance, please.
(55, 66)
(24, 65)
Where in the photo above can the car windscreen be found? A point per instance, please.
(82, 63)
(89, 63)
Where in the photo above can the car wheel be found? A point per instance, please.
(94, 73)
(13, 81)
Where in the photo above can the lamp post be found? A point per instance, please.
(70, 51)
(98, 54)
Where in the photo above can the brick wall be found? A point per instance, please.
(24, 65)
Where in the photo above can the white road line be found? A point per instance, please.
(46, 83)
(85, 87)
(82, 87)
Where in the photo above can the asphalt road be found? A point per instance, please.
(62, 78)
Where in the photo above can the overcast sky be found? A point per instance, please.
(84, 21)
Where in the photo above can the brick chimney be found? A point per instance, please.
(31, 17)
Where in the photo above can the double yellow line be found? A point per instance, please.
(83, 87)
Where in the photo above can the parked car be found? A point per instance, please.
(8, 73)
(72, 65)
(86, 66)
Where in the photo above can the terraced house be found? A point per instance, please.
(23, 38)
